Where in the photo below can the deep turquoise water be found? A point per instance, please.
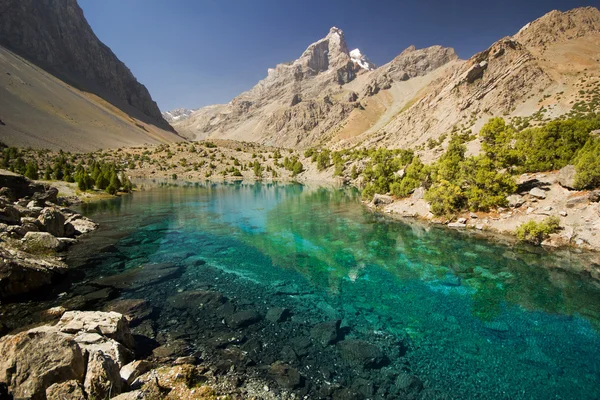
(481, 319)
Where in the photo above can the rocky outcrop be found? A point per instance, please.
(80, 357)
(55, 35)
(36, 232)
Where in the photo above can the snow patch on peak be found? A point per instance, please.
(362, 60)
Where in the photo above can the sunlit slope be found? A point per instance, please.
(41, 111)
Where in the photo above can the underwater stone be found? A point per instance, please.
(326, 333)
(286, 376)
(243, 319)
(197, 299)
(278, 314)
(140, 277)
(359, 352)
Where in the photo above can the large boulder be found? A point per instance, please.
(515, 200)
(538, 193)
(33, 361)
(22, 273)
(566, 177)
(53, 221)
(10, 215)
(80, 225)
(39, 241)
(71, 390)
(102, 377)
(110, 324)
(50, 195)
(243, 319)
(19, 186)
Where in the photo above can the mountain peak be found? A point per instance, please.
(362, 60)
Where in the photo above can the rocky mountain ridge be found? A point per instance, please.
(325, 98)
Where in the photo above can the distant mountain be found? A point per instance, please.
(336, 98)
(59, 82)
(177, 115)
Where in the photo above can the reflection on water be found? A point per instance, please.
(485, 319)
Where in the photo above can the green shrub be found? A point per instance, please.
(587, 165)
(445, 198)
(536, 232)
(323, 160)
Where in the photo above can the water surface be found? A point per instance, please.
(480, 319)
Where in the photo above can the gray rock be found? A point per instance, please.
(172, 349)
(538, 193)
(573, 202)
(53, 222)
(515, 200)
(462, 220)
(197, 299)
(35, 241)
(382, 199)
(457, 225)
(80, 225)
(418, 193)
(110, 324)
(243, 319)
(326, 333)
(566, 177)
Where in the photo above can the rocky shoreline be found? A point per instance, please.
(538, 196)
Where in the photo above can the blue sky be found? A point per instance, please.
(192, 53)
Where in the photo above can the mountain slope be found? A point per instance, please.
(304, 103)
(325, 98)
(48, 45)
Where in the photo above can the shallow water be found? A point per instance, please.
(480, 319)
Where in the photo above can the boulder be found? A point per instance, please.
(19, 186)
(515, 200)
(243, 319)
(80, 225)
(110, 324)
(94, 343)
(35, 241)
(50, 195)
(457, 225)
(566, 177)
(71, 390)
(286, 376)
(33, 361)
(361, 353)
(172, 349)
(10, 215)
(382, 199)
(53, 221)
(133, 370)
(418, 193)
(538, 193)
(102, 378)
(326, 333)
(22, 272)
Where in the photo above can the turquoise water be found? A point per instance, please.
(479, 319)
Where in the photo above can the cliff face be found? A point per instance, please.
(55, 35)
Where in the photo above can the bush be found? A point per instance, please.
(323, 160)
(445, 198)
(535, 232)
(587, 166)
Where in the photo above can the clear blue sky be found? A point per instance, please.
(192, 53)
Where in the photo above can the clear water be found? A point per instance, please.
(481, 319)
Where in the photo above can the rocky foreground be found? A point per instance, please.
(34, 229)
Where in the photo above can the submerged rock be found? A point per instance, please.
(140, 277)
(278, 314)
(243, 319)
(135, 310)
(361, 353)
(286, 376)
(197, 299)
(326, 333)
